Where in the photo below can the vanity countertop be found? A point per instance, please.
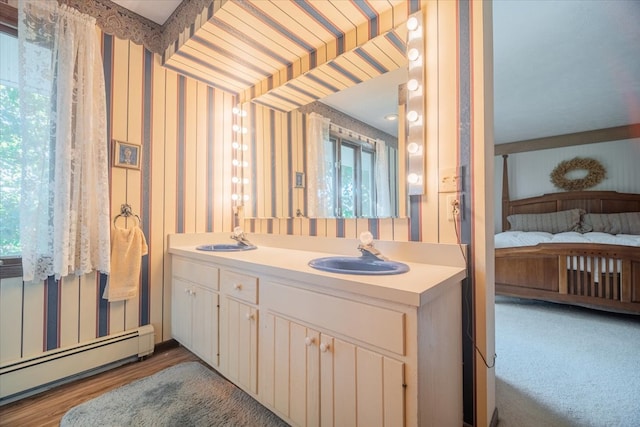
(422, 283)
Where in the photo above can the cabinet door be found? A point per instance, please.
(289, 370)
(181, 311)
(204, 338)
(359, 387)
(239, 343)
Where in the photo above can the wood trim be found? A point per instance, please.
(10, 267)
(579, 138)
(9, 17)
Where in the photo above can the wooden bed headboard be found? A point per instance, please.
(589, 201)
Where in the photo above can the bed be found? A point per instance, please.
(580, 267)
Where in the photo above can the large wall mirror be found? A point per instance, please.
(359, 113)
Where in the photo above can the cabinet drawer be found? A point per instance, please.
(205, 275)
(240, 286)
(375, 325)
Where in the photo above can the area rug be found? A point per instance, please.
(188, 394)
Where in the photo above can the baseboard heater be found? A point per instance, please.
(25, 377)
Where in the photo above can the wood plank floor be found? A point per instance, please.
(47, 408)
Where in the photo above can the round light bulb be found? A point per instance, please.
(413, 54)
(245, 130)
(245, 181)
(235, 180)
(235, 145)
(235, 162)
(245, 197)
(413, 178)
(413, 148)
(234, 197)
(235, 110)
(245, 147)
(245, 164)
(413, 85)
(235, 128)
(412, 23)
(412, 116)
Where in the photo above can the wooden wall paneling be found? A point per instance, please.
(119, 130)
(88, 288)
(11, 327)
(229, 102)
(259, 166)
(218, 158)
(170, 148)
(362, 224)
(160, 290)
(297, 161)
(33, 319)
(331, 227)
(134, 177)
(169, 185)
(264, 173)
(69, 310)
(350, 228)
(190, 149)
(401, 229)
(385, 229)
(281, 166)
(201, 184)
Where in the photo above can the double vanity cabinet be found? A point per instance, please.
(323, 349)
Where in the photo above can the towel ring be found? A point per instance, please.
(126, 212)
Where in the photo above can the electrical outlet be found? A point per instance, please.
(453, 207)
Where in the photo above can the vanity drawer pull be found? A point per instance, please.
(240, 286)
(308, 341)
(324, 347)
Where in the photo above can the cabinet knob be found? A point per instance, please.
(237, 286)
(308, 341)
(249, 316)
(324, 347)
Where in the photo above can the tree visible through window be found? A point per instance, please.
(355, 183)
(10, 147)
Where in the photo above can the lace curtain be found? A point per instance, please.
(383, 198)
(320, 185)
(64, 223)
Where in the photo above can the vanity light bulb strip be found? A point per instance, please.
(414, 116)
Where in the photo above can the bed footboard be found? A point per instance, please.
(594, 275)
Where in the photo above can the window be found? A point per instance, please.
(10, 147)
(355, 178)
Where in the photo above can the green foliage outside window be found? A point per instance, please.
(10, 171)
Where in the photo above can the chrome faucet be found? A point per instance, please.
(239, 236)
(367, 248)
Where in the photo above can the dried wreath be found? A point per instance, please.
(596, 173)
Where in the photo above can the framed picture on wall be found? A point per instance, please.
(126, 155)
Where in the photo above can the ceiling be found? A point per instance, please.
(559, 67)
(157, 10)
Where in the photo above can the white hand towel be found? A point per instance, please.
(128, 245)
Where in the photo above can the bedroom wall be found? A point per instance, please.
(529, 172)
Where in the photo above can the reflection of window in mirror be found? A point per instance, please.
(354, 178)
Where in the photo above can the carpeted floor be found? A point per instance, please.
(188, 394)
(560, 365)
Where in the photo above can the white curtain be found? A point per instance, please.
(383, 201)
(64, 223)
(320, 168)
